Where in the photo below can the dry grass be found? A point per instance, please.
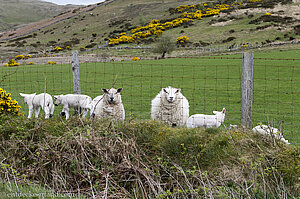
(145, 159)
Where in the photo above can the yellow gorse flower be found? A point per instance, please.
(7, 105)
(12, 62)
(156, 28)
(135, 59)
(182, 39)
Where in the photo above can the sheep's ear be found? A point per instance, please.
(178, 90)
(119, 90)
(55, 96)
(104, 90)
(23, 95)
(224, 110)
(215, 112)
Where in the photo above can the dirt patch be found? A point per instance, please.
(222, 23)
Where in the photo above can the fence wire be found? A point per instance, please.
(209, 83)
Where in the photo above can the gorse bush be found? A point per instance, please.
(8, 105)
(12, 62)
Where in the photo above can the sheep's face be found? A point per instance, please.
(171, 93)
(57, 100)
(112, 95)
(220, 115)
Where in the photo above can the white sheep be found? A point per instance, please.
(271, 131)
(170, 106)
(36, 102)
(206, 121)
(73, 100)
(108, 105)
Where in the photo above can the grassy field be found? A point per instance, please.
(209, 83)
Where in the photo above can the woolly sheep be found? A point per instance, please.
(36, 102)
(206, 121)
(170, 106)
(271, 131)
(73, 100)
(109, 105)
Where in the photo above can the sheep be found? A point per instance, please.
(206, 121)
(271, 131)
(36, 102)
(170, 107)
(108, 105)
(73, 100)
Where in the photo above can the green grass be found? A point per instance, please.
(209, 83)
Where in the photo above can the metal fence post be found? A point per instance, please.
(75, 69)
(247, 92)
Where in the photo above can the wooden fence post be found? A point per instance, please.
(75, 69)
(247, 92)
(76, 77)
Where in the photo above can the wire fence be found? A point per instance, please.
(209, 83)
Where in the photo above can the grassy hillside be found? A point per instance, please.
(15, 12)
(241, 24)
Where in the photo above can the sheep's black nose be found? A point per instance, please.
(111, 99)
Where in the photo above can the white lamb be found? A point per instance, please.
(73, 100)
(170, 106)
(271, 131)
(109, 105)
(206, 121)
(36, 102)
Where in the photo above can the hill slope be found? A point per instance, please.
(16, 12)
(242, 23)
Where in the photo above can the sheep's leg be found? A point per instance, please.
(30, 111)
(51, 110)
(37, 111)
(85, 112)
(66, 110)
(47, 112)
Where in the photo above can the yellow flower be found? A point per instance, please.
(135, 59)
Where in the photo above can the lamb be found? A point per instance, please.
(206, 121)
(271, 131)
(36, 102)
(170, 107)
(108, 105)
(73, 100)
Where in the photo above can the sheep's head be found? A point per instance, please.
(57, 99)
(27, 97)
(220, 115)
(112, 95)
(171, 93)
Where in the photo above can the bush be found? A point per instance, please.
(12, 62)
(7, 105)
(51, 62)
(135, 59)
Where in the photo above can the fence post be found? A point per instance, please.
(75, 69)
(247, 92)
(76, 77)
